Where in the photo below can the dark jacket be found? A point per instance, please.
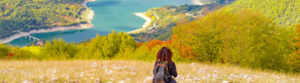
(172, 70)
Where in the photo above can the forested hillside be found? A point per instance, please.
(283, 12)
(25, 15)
(245, 39)
(164, 19)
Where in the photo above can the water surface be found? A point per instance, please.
(117, 15)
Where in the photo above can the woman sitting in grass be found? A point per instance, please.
(164, 67)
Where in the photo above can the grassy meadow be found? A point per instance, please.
(118, 71)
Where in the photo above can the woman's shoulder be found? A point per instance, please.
(172, 63)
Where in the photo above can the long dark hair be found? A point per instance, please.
(164, 54)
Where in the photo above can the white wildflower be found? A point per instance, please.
(108, 71)
(293, 79)
(196, 79)
(225, 81)
(188, 79)
(26, 81)
(148, 78)
(68, 77)
(192, 64)
(122, 81)
(97, 80)
(203, 78)
(215, 75)
(254, 76)
(10, 69)
(187, 76)
(42, 77)
(133, 73)
(277, 77)
(54, 78)
(215, 71)
(245, 76)
(94, 65)
(104, 67)
(54, 71)
(81, 74)
(249, 79)
(116, 68)
(128, 78)
(179, 77)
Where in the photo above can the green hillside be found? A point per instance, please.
(284, 12)
(25, 15)
(164, 19)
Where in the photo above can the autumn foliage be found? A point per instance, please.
(295, 57)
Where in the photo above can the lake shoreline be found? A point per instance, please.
(198, 2)
(149, 20)
(87, 25)
(146, 24)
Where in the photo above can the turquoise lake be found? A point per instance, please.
(116, 15)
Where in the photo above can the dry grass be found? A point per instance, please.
(129, 72)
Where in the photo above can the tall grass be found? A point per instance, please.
(117, 71)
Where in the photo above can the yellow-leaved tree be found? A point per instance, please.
(245, 38)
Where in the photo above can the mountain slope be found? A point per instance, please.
(26, 15)
(164, 19)
(284, 12)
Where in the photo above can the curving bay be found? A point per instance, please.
(117, 15)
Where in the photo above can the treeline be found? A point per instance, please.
(112, 46)
(25, 15)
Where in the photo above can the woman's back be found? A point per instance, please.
(164, 67)
(171, 68)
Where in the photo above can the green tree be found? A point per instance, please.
(59, 49)
(4, 51)
(107, 46)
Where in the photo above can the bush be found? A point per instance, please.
(107, 46)
(59, 49)
(4, 51)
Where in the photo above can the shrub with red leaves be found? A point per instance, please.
(10, 55)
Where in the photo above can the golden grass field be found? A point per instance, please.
(130, 72)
